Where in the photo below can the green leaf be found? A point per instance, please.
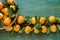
(58, 27)
(38, 18)
(16, 8)
(13, 15)
(11, 12)
(28, 19)
(12, 32)
(38, 26)
(6, 4)
(48, 31)
(1, 23)
(58, 19)
(47, 22)
(22, 30)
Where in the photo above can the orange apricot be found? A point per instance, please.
(33, 20)
(1, 15)
(36, 31)
(52, 19)
(8, 28)
(4, 16)
(5, 11)
(10, 1)
(17, 28)
(7, 20)
(44, 29)
(20, 19)
(28, 29)
(1, 5)
(53, 28)
(42, 20)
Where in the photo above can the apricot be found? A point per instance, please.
(1, 5)
(44, 29)
(42, 20)
(53, 28)
(4, 16)
(36, 31)
(33, 20)
(10, 1)
(52, 19)
(28, 29)
(17, 28)
(20, 19)
(7, 20)
(5, 11)
(1, 15)
(9, 28)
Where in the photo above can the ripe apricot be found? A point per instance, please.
(9, 28)
(1, 5)
(1, 15)
(7, 20)
(17, 28)
(28, 29)
(36, 31)
(20, 19)
(4, 16)
(5, 11)
(10, 1)
(53, 28)
(33, 20)
(42, 20)
(44, 29)
(52, 19)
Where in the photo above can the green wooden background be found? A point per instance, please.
(35, 8)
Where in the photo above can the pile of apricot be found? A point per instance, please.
(5, 15)
(21, 23)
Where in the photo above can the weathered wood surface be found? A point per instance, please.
(35, 8)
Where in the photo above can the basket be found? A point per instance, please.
(2, 28)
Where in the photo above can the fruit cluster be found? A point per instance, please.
(38, 24)
(35, 24)
(26, 24)
(8, 11)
